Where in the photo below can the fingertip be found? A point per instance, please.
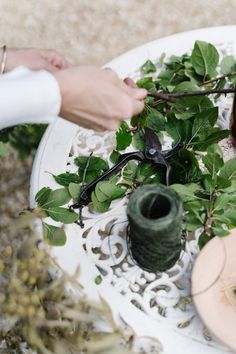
(129, 82)
(141, 93)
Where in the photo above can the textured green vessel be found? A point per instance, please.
(155, 215)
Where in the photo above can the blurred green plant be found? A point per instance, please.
(24, 138)
(38, 313)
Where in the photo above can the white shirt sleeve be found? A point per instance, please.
(28, 97)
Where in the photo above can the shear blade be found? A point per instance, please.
(151, 140)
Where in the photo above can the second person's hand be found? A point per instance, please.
(35, 59)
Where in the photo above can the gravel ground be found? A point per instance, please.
(92, 32)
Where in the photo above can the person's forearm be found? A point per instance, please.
(28, 97)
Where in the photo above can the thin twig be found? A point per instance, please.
(162, 96)
(134, 129)
(218, 78)
(155, 103)
(172, 97)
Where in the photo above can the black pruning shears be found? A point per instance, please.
(152, 153)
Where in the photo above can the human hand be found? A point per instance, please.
(96, 98)
(35, 59)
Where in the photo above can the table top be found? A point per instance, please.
(153, 305)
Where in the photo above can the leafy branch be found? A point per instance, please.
(210, 204)
(172, 97)
(178, 108)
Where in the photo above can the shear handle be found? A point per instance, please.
(85, 194)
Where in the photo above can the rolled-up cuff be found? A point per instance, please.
(28, 97)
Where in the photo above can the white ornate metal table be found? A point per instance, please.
(156, 305)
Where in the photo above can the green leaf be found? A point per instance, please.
(204, 58)
(123, 137)
(179, 130)
(148, 67)
(185, 86)
(203, 239)
(228, 64)
(215, 149)
(54, 235)
(90, 176)
(192, 223)
(186, 192)
(155, 120)
(130, 170)
(147, 83)
(213, 163)
(196, 207)
(42, 196)
(211, 115)
(205, 104)
(174, 128)
(185, 167)
(166, 75)
(158, 178)
(231, 216)
(114, 156)
(65, 179)
(222, 183)
(204, 195)
(138, 141)
(95, 163)
(101, 197)
(57, 198)
(200, 128)
(146, 169)
(221, 202)
(192, 102)
(231, 189)
(184, 114)
(100, 206)
(228, 171)
(94, 166)
(112, 191)
(203, 122)
(139, 119)
(74, 190)
(219, 231)
(213, 138)
(161, 59)
(209, 183)
(98, 280)
(188, 107)
(219, 217)
(4, 152)
(233, 80)
(63, 215)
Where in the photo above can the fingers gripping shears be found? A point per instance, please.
(152, 153)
